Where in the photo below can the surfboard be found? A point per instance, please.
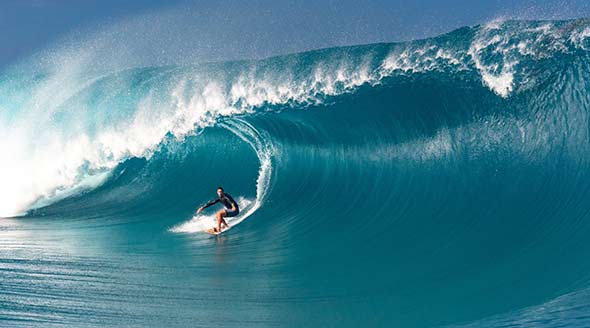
(213, 232)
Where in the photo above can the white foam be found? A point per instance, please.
(500, 82)
(425, 59)
(197, 223)
(578, 38)
(494, 24)
(201, 223)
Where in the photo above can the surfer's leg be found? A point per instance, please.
(220, 220)
(223, 220)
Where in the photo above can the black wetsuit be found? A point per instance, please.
(227, 201)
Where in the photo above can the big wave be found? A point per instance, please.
(459, 163)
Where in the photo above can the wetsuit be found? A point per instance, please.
(227, 201)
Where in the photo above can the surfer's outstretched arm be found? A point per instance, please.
(215, 201)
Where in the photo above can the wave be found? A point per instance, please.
(95, 122)
(451, 164)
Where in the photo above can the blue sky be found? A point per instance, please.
(210, 30)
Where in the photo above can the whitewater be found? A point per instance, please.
(440, 182)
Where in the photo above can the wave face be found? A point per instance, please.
(429, 183)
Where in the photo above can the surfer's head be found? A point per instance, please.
(219, 191)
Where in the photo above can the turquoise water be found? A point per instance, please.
(438, 182)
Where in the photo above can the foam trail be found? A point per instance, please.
(199, 222)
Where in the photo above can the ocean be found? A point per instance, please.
(440, 182)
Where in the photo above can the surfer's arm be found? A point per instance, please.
(215, 201)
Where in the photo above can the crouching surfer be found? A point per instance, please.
(231, 208)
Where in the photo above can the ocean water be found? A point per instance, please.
(434, 183)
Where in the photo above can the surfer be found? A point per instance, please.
(231, 208)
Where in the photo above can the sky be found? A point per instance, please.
(173, 31)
